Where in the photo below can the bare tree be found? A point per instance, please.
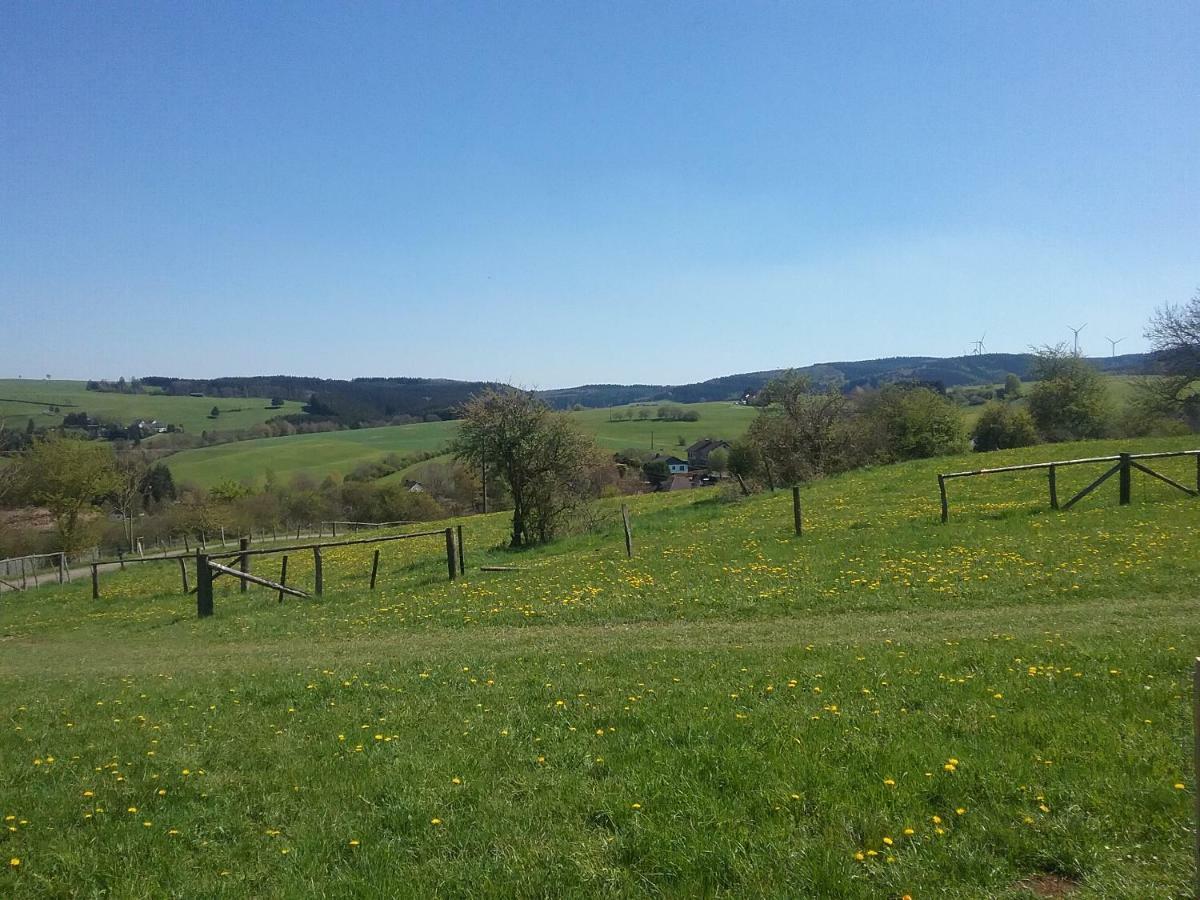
(1174, 335)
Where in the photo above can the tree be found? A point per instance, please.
(656, 471)
(912, 422)
(276, 402)
(127, 499)
(1012, 386)
(1069, 401)
(800, 432)
(158, 485)
(1174, 335)
(214, 412)
(1002, 427)
(540, 455)
(66, 476)
(718, 460)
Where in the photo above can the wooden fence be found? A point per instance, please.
(1125, 463)
(208, 570)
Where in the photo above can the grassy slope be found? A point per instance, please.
(72, 396)
(735, 710)
(341, 451)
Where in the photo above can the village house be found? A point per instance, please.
(675, 465)
(700, 451)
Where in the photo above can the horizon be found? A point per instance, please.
(561, 387)
(545, 195)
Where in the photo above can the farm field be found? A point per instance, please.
(22, 399)
(886, 706)
(340, 451)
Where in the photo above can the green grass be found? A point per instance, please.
(735, 711)
(339, 452)
(25, 399)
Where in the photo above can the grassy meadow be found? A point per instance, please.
(884, 707)
(22, 399)
(341, 451)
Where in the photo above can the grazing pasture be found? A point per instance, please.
(886, 706)
(22, 399)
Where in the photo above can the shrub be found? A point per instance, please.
(1002, 427)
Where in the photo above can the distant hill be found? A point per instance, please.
(362, 401)
(988, 368)
(355, 402)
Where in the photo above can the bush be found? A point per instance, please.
(1069, 402)
(1002, 427)
(912, 422)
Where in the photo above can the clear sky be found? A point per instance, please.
(566, 192)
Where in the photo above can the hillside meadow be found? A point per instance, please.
(22, 399)
(883, 707)
(339, 452)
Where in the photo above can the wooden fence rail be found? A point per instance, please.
(207, 569)
(1125, 464)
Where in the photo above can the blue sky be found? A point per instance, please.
(560, 193)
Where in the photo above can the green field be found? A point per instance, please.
(884, 707)
(25, 399)
(339, 452)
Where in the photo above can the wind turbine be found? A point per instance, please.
(979, 346)
(1077, 330)
(1114, 344)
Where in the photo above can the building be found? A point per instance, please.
(675, 465)
(699, 452)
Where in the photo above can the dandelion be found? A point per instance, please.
(354, 843)
(635, 806)
(890, 782)
(456, 780)
(435, 821)
(1180, 786)
(14, 863)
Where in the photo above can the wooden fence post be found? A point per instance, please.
(1196, 755)
(121, 557)
(204, 587)
(95, 581)
(1053, 487)
(183, 574)
(62, 567)
(945, 502)
(283, 576)
(628, 531)
(797, 515)
(320, 575)
(451, 562)
(222, 535)
(462, 556)
(1125, 479)
(244, 561)
(770, 477)
(186, 548)
(374, 568)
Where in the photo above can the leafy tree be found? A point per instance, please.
(1069, 401)
(214, 412)
(912, 422)
(718, 460)
(276, 402)
(541, 456)
(656, 471)
(800, 432)
(158, 485)
(67, 476)
(743, 459)
(1002, 427)
(1012, 386)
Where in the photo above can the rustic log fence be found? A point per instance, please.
(1124, 464)
(209, 570)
